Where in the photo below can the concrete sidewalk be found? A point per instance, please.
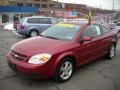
(2, 25)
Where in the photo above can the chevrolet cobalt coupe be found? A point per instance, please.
(59, 50)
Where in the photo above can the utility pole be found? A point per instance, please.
(113, 5)
(74, 8)
(63, 8)
(57, 8)
(113, 9)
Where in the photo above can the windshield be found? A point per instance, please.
(61, 31)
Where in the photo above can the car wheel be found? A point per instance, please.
(64, 70)
(111, 52)
(33, 33)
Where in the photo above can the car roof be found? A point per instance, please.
(39, 17)
(75, 23)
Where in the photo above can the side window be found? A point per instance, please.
(87, 32)
(44, 20)
(54, 21)
(92, 31)
(33, 20)
(39, 20)
(105, 30)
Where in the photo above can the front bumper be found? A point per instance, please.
(30, 70)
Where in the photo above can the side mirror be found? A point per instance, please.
(86, 38)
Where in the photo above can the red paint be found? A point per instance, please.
(83, 52)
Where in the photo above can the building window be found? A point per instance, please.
(44, 5)
(67, 6)
(52, 5)
(29, 4)
(77, 7)
(19, 4)
(37, 5)
(60, 6)
(44, 0)
(72, 6)
(5, 18)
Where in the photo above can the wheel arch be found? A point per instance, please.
(60, 60)
(64, 56)
(33, 29)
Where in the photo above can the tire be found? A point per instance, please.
(26, 36)
(111, 52)
(33, 33)
(64, 70)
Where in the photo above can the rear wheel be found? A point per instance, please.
(111, 52)
(33, 33)
(64, 70)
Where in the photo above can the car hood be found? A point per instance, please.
(38, 45)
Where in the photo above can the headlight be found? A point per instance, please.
(40, 58)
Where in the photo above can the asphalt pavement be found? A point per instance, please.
(102, 74)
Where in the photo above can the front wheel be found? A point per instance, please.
(64, 70)
(111, 52)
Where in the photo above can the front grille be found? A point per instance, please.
(18, 56)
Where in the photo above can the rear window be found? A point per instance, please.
(39, 20)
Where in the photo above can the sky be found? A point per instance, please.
(104, 4)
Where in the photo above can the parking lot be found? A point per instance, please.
(102, 74)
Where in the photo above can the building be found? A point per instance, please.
(15, 13)
(4, 2)
(69, 10)
(52, 8)
(47, 8)
(13, 9)
(9, 12)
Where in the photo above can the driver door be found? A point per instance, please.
(90, 50)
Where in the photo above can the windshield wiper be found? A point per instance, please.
(49, 37)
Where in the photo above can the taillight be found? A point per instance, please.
(22, 26)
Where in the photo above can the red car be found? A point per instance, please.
(59, 50)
